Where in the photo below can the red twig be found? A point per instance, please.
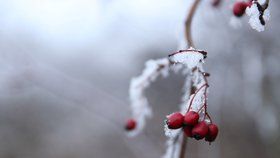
(195, 95)
(190, 51)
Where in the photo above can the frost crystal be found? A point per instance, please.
(139, 103)
(254, 15)
(171, 133)
(191, 57)
(173, 146)
(199, 98)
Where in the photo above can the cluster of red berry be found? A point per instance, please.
(192, 127)
(189, 122)
(240, 7)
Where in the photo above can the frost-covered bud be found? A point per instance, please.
(188, 131)
(212, 132)
(239, 8)
(191, 118)
(200, 130)
(175, 120)
(130, 124)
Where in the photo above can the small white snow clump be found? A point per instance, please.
(254, 15)
(191, 58)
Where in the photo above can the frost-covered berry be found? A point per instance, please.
(130, 124)
(212, 132)
(239, 8)
(200, 130)
(188, 131)
(191, 118)
(175, 120)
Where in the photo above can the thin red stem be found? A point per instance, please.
(209, 117)
(201, 107)
(189, 51)
(195, 95)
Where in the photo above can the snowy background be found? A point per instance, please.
(65, 68)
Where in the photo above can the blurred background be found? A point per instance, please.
(65, 68)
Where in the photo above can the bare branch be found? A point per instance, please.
(188, 23)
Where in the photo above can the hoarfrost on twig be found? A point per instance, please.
(139, 104)
(193, 77)
(190, 57)
(254, 13)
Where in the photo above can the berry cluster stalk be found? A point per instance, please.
(190, 43)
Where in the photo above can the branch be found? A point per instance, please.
(189, 39)
(265, 5)
(188, 23)
(261, 9)
(183, 146)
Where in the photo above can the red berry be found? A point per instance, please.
(200, 130)
(175, 120)
(188, 131)
(239, 8)
(191, 118)
(212, 133)
(130, 124)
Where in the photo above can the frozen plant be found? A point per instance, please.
(139, 104)
(258, 14)
(193, 119)
(256, 10)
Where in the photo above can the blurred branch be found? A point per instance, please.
(183, 146)
(188, 23)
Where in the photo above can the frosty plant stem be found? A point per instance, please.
(264, 6)
(261, 9)
(190, 43)
(205, 85)
(188, 23)
(257, 11)
(192, 120)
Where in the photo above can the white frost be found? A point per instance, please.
(171, 133)
(173, 146)
(139, 103)
(254, 20)
(191, 58)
